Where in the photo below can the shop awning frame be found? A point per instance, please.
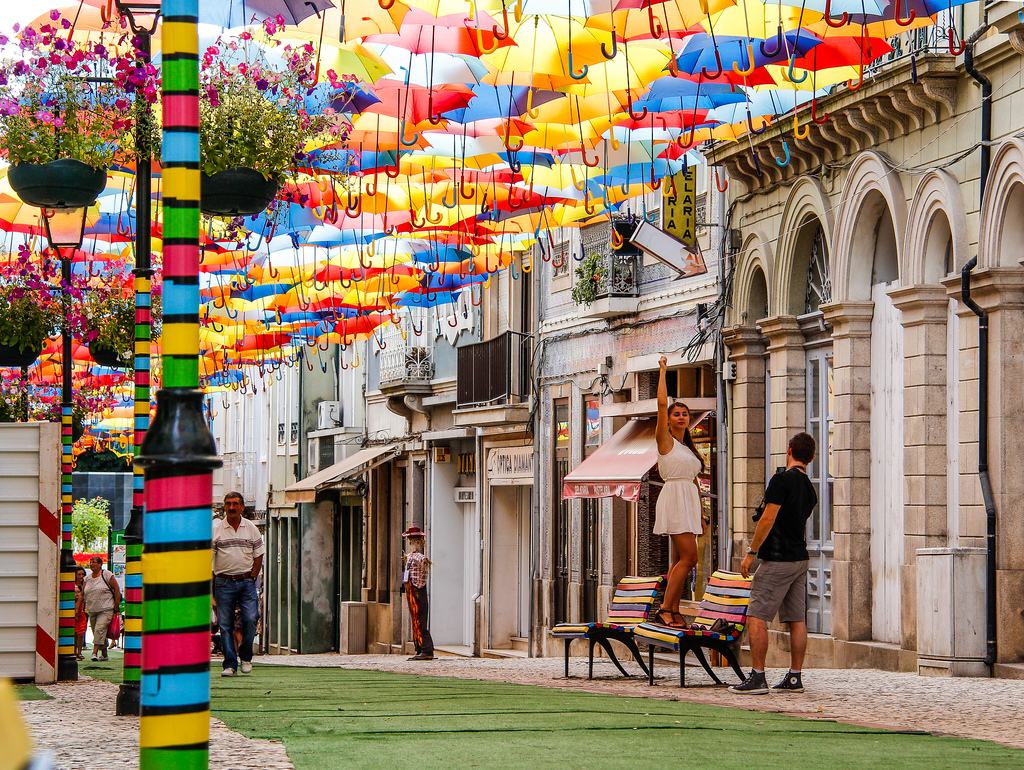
(306, 490)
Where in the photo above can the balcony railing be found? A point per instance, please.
(618, 271)
(405, 361)
(920, 41)
(495, 372)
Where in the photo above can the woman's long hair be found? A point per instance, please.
(687, 438)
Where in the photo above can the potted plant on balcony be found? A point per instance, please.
(29, 313)
(64, 112)
(256, 119)
(589, 275)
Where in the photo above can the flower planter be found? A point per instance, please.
(60, 184)
(106, 356)
(237, 192)
(13, 357)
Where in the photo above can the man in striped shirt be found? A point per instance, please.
(414, 583)
(237, 558)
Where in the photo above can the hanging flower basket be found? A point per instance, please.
(237, 192)
(59, 184)
(105, 355)
(12, 356)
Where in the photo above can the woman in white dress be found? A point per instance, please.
(678, 514)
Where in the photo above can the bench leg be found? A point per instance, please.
(590, 662)
(703, 661)
(730, 658)
(567, 643)
(650, 665)
(636, 654)
(611, 654)
(682, 666)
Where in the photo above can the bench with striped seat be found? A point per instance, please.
(635, 599)
(726, 598)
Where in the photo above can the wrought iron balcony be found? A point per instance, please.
(405, 361)
(495, 372)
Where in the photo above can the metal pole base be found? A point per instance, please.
(67, 668)
(129, 700)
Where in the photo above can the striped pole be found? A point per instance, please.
(178, 453)
(67, 664)
(128, 696)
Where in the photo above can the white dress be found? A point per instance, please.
(679, 507)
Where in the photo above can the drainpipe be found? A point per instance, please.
(965, 294)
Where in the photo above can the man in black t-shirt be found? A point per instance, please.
(780, 583)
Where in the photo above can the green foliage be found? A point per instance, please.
(26, 318)
(89, 522)
(588, 276)
(101, 462)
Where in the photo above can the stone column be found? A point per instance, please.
(924, 311)
(787, 365)
(747, 348)
(851, 468)
(1000, 291)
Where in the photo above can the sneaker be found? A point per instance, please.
(228, 672)
(246, 667)
(791, 683)
(422, 656)
(755, 684)
(95, 658)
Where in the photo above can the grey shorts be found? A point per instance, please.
(779, 586)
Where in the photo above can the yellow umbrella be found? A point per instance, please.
(549, 47)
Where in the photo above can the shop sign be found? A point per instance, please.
(680, 193)
(507, 463)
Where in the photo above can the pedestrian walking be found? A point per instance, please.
(780, 582)
(414, 583)
(678, 513)
(81, 621)
(237, 559)
(102, 597)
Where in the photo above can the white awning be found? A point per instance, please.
(305, 491)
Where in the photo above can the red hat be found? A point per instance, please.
(414, 532)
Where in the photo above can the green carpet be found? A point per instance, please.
(30, 692)
(330, 718)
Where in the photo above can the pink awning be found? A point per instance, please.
(618, 465)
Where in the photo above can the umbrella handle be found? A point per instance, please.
(385, 4)
(814, 108)
(655, 183)
(785, 149)
(560, 263)
(416, 222)
(952, 49)
(749, 69)
(572, 69)
(455, 198)
(471, 297)
(391, 174)
(689, 143)
(617, 240)
(417, 332)
(105, 11)
(750, 125)
(796, 128)
(654, 23)
(462, 190)
(615, 48)
(371, 188)
(757, 162)
(351, 211)
(433, 221)
(502, 34)
(586, 162)
(534, 113)
(635, 116)
(478, 36)
(517, 11)
(835, 24)
(718, 62)
(778, 44)
(897, 15)
(718, 185)
(408, 142)
(509, 147)
(790, 77)
(575, 183)
(588, 205)
(515, 165)
(860, 80)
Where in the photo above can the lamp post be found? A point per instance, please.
(143, 18)
(64, 229)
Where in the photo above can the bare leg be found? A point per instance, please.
(797, 645)
(758, 637)
(685, 545)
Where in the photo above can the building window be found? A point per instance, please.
(591, 423)
(560, 259)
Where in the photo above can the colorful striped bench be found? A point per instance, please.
(726, 597)
(635, 599)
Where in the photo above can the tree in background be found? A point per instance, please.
(90, 523)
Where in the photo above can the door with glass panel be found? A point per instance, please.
(820, 545)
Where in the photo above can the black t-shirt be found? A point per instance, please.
(793, 492)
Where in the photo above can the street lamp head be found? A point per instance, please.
(64, 227)
(142, 15)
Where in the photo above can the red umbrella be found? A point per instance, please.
(417, 104)
(421, 32)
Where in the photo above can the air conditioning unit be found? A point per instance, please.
(328, 415)
(465, 494)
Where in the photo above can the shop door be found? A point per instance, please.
(820, 538)
(509, 580)
(590, 561)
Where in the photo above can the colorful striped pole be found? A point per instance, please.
(67, 664)
(178, 453)
(128, 696)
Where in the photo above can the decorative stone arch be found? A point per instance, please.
(1001, 241)
(937, 217)
(752, 273)
(807, 201)
(871, 187)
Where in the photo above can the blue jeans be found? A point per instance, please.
(229, 595)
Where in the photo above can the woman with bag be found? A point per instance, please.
(102, 601)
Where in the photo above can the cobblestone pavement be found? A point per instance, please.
(79, 730)
(989, 709)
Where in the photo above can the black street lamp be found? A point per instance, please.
(143, 18)
(64, 230)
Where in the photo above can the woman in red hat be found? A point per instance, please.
(414, 581)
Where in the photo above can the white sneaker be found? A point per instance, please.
(228, 672)
(246, 667)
